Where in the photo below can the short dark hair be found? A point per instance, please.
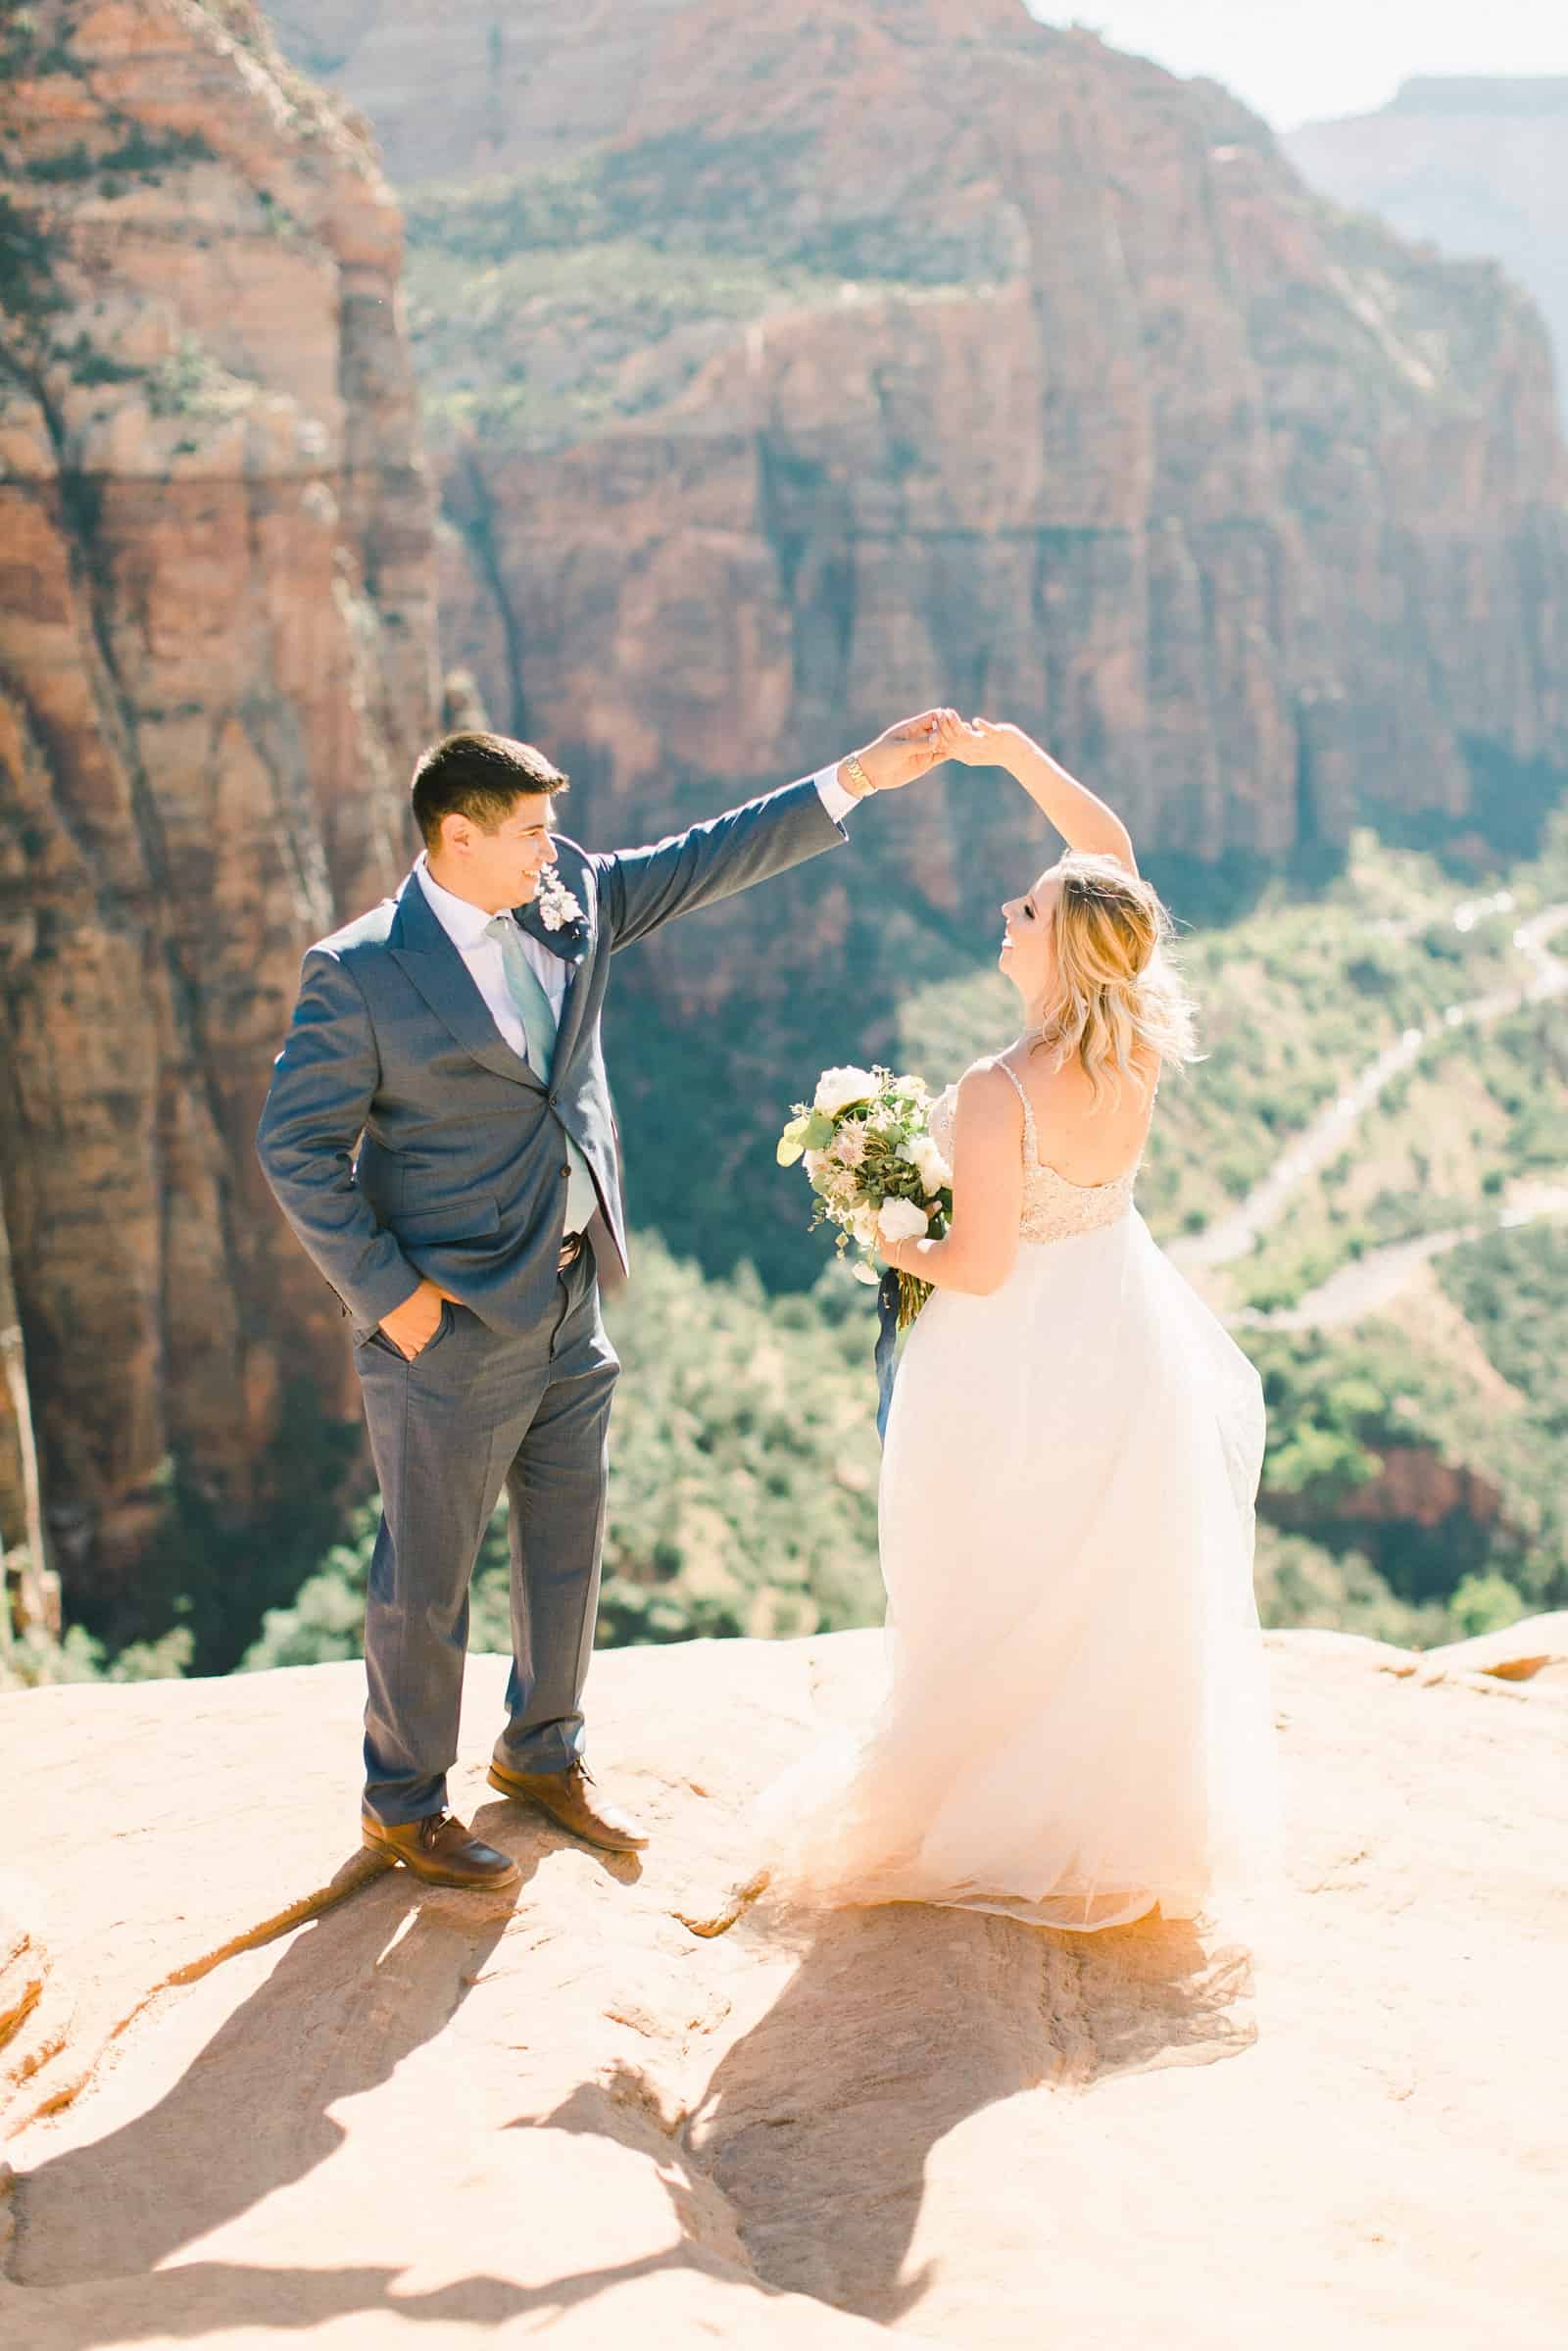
(480, 776)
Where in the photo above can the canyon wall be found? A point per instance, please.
(217, 659)
(784, 372)
(790, 369)
(787, 371)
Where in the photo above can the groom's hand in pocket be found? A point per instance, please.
(912, 748)
(412, 1326)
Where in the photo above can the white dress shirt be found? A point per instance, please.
(466, 925)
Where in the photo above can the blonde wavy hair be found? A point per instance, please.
(1118, 995)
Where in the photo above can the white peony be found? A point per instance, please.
(836, 1089)
(862, 1224)
(928, 1163)
(902, 1220)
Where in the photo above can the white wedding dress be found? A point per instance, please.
(1078, 1722)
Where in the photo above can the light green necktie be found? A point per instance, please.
(537, 1014)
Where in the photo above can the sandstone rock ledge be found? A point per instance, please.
(256, 2090)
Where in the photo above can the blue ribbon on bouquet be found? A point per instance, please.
(887, 1341)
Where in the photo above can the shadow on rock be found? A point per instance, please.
(200, 2299)
(899, 2024)
(355, 1993)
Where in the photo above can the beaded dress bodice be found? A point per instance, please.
(1054, 1207)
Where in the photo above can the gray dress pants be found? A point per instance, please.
(477, 1410)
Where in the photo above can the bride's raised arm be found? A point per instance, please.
(1083, 820)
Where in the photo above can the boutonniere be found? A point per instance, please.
(558, 908)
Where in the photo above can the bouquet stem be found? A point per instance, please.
(912, 1295)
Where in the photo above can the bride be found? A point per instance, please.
(1077, 1727)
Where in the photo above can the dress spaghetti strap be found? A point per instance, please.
(1031, 1154)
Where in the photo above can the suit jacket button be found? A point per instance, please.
(565, 1174)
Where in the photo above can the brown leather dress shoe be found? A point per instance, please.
(567, 1798)
(440, 1851)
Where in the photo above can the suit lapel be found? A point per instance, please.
(423, 951)
(574, 946)
(569, 1019)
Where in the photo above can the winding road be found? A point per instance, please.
(1372, 1280)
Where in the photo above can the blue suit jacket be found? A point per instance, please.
(403, 1136)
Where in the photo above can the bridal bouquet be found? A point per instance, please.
(876, 1171)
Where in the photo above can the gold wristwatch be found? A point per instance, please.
(855, 778)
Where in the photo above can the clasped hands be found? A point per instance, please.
(915, 746)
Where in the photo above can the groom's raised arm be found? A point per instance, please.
(641, 887)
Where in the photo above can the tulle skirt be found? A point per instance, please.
(1077, 1722)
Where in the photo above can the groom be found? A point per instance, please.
(439, 1134)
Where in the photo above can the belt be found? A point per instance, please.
(570, 1250)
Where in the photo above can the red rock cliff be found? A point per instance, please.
(217, 658)
(790, 368)
(786, 369)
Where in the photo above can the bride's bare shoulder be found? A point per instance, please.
(1147, 1067)
(987, 1091)
(989, 1073)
